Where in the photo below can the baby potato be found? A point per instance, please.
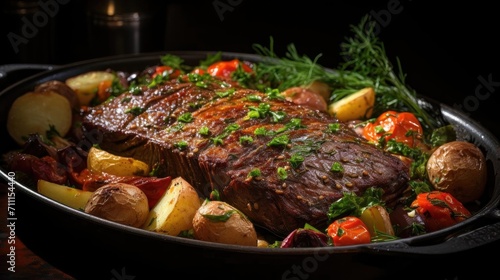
(119, 202)
(459, 168)
(219, 222)
(39, 112)
(86, 85)
(102, 161)
(358, 105)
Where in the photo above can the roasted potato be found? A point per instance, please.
(119, 202)
(86, 85)
(459, 168)
(219, 222)
(62, 89)
(102, 161)
(74, 198)
(39, 112)
(175, 211)
(377, 219)
(358, 105)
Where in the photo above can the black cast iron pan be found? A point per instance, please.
(92, 248)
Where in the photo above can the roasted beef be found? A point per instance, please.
(279, 163)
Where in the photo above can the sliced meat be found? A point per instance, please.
(216, 135)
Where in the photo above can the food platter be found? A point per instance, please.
(99, 248)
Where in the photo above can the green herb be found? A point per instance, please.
(186, 118)
(226, 93)
(204, 131)
(220, 218)
(210, 59)
(173, 61)
(352, 204)
(262, 131)
(246, 139)
(181, 145)
(254, 98)
(337, 167)
(296, 160)
(281, 140)
(333, 127)
(136, 111)
(254, 173)
(282, 174)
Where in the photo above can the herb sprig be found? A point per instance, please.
(366, 65)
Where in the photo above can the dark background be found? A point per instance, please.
(447, 51)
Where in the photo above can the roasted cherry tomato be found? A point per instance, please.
(439, 210)
(403, 127)
(224, 69)
(349, 230)
(167, 70)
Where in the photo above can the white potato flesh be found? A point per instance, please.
(100, 161)
(37, 112)
(74, 198)
(86, 85)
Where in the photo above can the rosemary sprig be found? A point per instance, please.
(366, 65)
(366, 62)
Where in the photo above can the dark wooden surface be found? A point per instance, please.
(27, 264)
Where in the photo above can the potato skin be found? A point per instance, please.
(459, 168)
(119, 202)
(208, 224)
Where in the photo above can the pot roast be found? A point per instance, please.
(279, 163)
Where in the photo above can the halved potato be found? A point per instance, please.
(175, 211)
(219, 222)
(86, 85)
(74, 198)
(102, 161)
(358, 105)
(39, 112)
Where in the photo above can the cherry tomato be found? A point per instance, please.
(164, 70)
(224, 69)
(349, 230)
(403, 127)
(439, 210)
(103, 90)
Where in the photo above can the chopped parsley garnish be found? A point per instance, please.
(337, 167)
(186, 118)
(136, 111)
(204, 131)
(181, 145)
(281, 140)
(296, 160)
(333, 127)
(282, 174)
(245, 139)
(254, 173)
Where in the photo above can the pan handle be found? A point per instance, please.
(8, 68)
(473, 239)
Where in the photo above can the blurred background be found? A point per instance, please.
(449, 52)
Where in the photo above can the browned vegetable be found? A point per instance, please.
(119, 202)
(217, 221)
(62, 89)
(458, 168)
(39, 112)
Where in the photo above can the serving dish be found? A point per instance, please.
(94, 248)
